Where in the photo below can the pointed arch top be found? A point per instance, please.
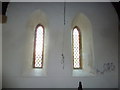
(77, 54)
(86, 52)
(38, 54)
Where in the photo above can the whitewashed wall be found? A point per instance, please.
(105, 34)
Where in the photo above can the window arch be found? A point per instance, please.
(38, 46)
(77, 46)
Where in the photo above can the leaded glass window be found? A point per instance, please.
(38, 47)
(76, 36)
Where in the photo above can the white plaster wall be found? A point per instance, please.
(105, 34)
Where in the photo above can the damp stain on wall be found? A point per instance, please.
(107, 67)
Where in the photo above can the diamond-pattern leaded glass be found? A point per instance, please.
(76, 48)
(39, 34)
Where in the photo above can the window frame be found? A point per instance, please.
(80, 47)
(34, 50)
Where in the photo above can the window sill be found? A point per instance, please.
(34, 72)
(83, 73)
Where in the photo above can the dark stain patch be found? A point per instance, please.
(107, 67)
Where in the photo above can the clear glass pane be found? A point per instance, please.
(39, 47)
(76, 48)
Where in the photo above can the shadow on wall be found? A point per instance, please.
(119, 57)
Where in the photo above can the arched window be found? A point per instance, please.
(38, 47)
(77, 46)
